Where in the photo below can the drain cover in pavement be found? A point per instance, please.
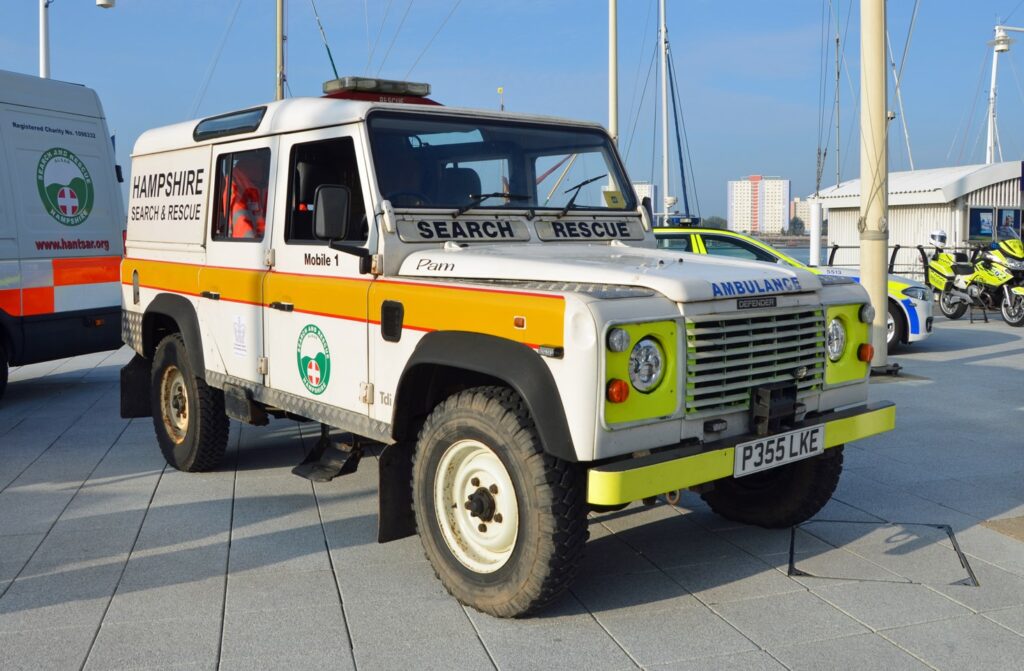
(879, 552)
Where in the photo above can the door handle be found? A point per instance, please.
(283, 307)
(212, 295)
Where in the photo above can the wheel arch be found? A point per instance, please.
(170, 313)
(901, 310)
(447, 361)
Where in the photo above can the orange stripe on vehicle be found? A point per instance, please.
(87, 270)
(327, 296)
(10, 302)
(37, 301)
(429, 307)
(178, 277)
(233, 284)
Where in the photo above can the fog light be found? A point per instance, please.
(618, 340)
(866, 352)
(618, 391)
(867, 313)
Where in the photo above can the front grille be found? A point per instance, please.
(728, 355)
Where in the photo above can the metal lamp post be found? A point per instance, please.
(44, 33)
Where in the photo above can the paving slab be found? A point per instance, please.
(969, 642)
(733, 580)
(146, 644)
(49, 648)
(757, 660)
(885, 605)
(318, 632)
(648, 592)
(673, 635)
(15, 552)
(786, 619)
(146, 600)
(849, 653)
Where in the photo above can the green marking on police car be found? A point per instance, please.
(65, 186)
(314, 359)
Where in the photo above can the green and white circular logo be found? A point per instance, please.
(65, 186)
(314, 359)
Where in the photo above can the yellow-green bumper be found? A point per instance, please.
(682, 467)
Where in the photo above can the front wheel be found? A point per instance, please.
(1013, 312)
(949, 306)
(502, 523)
(780, 497)
(895, 328)
(188, 415)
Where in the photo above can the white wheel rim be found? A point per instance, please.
(484, 542)
(174, 403)
(890, 325)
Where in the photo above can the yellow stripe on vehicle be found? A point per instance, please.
(616, 483)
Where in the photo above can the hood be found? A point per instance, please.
(680, 276)
(854, 274)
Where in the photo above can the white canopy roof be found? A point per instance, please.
(934, 186)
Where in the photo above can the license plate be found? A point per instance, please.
(782, 448)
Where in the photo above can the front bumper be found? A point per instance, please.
(691, 465)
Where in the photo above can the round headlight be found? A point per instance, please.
(618, 340)
(646, 365)
(867, 313)
(835, 339)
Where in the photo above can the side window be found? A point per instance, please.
(736, 249)
(315, 164)
(240, 210)
(681, 243)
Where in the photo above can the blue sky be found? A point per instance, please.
(749, 70)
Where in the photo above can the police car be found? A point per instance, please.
(478, 295)
(910, 302)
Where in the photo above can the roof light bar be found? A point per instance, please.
(374, 85)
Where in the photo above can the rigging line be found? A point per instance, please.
(899, 99)
(323, 37)
(826, 25)
(366, 21)
(395, 36)
(910, 34)
(974, 105)
(432, 38)
(640, 60)
(675, 119)
(376, 41)
(643, 96)
(1013, 11)
(681, 123)
(213, 62)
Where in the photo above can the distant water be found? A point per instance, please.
(803, 254)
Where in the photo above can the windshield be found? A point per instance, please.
(451, 162)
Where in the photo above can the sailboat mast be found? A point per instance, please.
(279, 72)
(838, 147)
(613, 71)
(663, 33)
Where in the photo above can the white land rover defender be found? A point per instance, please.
(481, 294)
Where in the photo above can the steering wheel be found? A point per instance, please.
(407, 199)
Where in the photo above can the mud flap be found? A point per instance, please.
(328, 459)
(135, 381)
(395, 518)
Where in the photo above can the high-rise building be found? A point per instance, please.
(800, 208)
(759, 204)
(647, 190)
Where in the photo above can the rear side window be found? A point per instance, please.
(240, 210)
(677, 242)
(736, 249)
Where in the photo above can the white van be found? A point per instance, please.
(61, 223)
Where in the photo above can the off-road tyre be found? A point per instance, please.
(1010, 316)
(202, 436)
(952, 311)
(4, 367)
(898, 335)
(780, 497)
(550, 494)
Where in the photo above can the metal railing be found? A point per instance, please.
(909, 261)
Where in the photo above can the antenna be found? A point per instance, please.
(323, 38)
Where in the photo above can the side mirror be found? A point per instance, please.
(331, 212)
(646, 204)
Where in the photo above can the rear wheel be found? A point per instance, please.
(502, 523)
(188, 415)
(950, 306)
(1013, 313)
(780, 497)
(896, 328)
(3, 368)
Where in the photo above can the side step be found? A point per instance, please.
(328, 459)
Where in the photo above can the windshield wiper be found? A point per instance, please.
(477, 198)
(576, 188)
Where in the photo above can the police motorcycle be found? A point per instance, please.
(991, 277)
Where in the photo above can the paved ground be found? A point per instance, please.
(110, 560)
